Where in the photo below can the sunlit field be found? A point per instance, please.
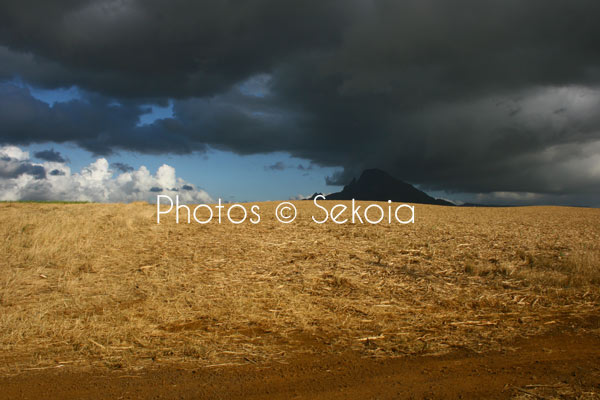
(105, 286)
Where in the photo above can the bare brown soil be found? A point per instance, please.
(99, 296)
(557, 366)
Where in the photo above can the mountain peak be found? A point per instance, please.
(374, 172)
(377, 185)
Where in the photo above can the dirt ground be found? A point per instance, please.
(561, 365)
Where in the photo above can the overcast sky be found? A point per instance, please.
(472, 100)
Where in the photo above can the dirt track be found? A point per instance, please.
(562, 365)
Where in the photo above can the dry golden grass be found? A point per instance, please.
(104, 285)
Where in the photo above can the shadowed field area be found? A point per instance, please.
(105, 287)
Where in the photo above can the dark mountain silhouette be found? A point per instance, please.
(378, 185)
(315, 194)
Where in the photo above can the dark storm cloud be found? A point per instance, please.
(278, 166)
(339, 178)
(95, 123)
(57, 172)
(122, 167)
(151, 48)
(13, 168)
(50, 155)
(470, 96)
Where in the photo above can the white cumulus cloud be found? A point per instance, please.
(23, 179)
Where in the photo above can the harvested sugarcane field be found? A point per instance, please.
(477, 302)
